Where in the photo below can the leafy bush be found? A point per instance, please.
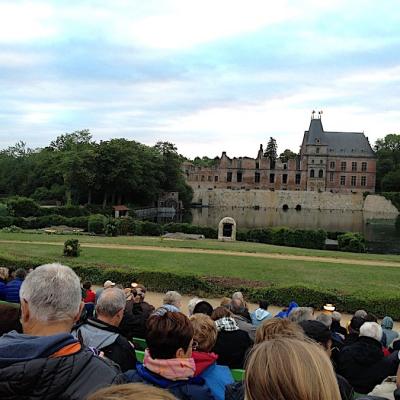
(12, 229)
(151, 228)
(72, 248)
(354, 242)
(97, 223)
(126, 226)
(22, 207)
(334, 235)
(397, 224)
(210, 233)
(3, 210)
(394, 197)
(111, 228)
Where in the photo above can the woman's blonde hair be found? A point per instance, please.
(290, 369)
(4, 273)
(278, 327)
(205, 332)
(131, 391)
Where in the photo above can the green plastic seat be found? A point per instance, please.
(140, 344)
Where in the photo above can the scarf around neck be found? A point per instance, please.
(174, 369)
(227, 324)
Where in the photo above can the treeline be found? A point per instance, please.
(74, 169)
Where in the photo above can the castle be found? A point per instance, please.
(339, 162)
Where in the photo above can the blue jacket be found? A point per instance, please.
(190, 389)
(217, 377)
(12, 290)
(285, 314)
(260, 315)
(2, 291)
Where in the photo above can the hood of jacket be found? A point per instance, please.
(284, 314)
(97, 334)
(365, 351)
(387, 323)
(161, 382)
(261, 314)
(17, 347)
(203, 360)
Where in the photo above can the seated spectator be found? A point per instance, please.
(225, 301)
(354, 330)
(13, 287)
(261, 314)
(168, 361)
(217, 377)
(363, 363)
(102, 332)
(47, 362)
(203, 307)
(131, 391)
(242, 322)
(232, 343)
(89, 299)
(192, 303)
(325, 319)
(287, 310)
(3, 282)
(360, 314)
(141, 292)
(299, 314)
(387, 328)
(288, 368)
(9, 317)
(276, 328)
(321, 334)
(336, 327)
(239, 307)
(172, 301)
(106, 285)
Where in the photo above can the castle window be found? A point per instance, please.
(298, 179)
(229, 177)
(331, 177)
(257, 165)
(321, 173)
(284, 179)
(342, 180)
(343, 166)
(312, 161)
(257, 177)
(203, 178)
(209, 178)
(332, 165)
(363, 181)
(284, 166)
(271, 178)
(317, 150)
(272, 164)
(354, 166)
(353, 180)
(239, 177)
(216, 178)
(363, 166)
(321, 161)
(312, 173)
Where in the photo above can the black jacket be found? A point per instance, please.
(232, 348)
(133, 323)
(107, 338)
(364, 365)
(71, 377)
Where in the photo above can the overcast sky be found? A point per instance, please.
(209, 75)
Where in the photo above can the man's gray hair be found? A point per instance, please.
(360, 313)
(372, 330)
(110, 302)
(173, 298)
(300, 314)
(325, 319)
(336, 316)
(53, 293)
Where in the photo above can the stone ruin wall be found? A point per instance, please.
(374, 204)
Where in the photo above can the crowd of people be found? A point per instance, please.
(63, 340)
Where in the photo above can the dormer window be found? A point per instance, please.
(317, 141)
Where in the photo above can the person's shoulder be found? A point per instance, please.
(197, 390)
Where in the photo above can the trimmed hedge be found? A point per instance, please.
(353, 242)
(97, 223)
(205, 287)
(44, 222)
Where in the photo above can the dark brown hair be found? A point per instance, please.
(168, 333)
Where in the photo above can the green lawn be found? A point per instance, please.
(199, 244)
(350, 279)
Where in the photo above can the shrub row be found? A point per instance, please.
(44, 221)
(205, 287)
(353, 242)
(311, 239)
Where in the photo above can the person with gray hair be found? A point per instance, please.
(325, 319)
(46, 361)
(102, 332)
(300, 314)
(363, 363)
(172, 301)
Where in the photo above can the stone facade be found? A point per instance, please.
(337, 162)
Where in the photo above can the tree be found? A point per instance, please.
(388, 162)
(287, 155)
(271, 149)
